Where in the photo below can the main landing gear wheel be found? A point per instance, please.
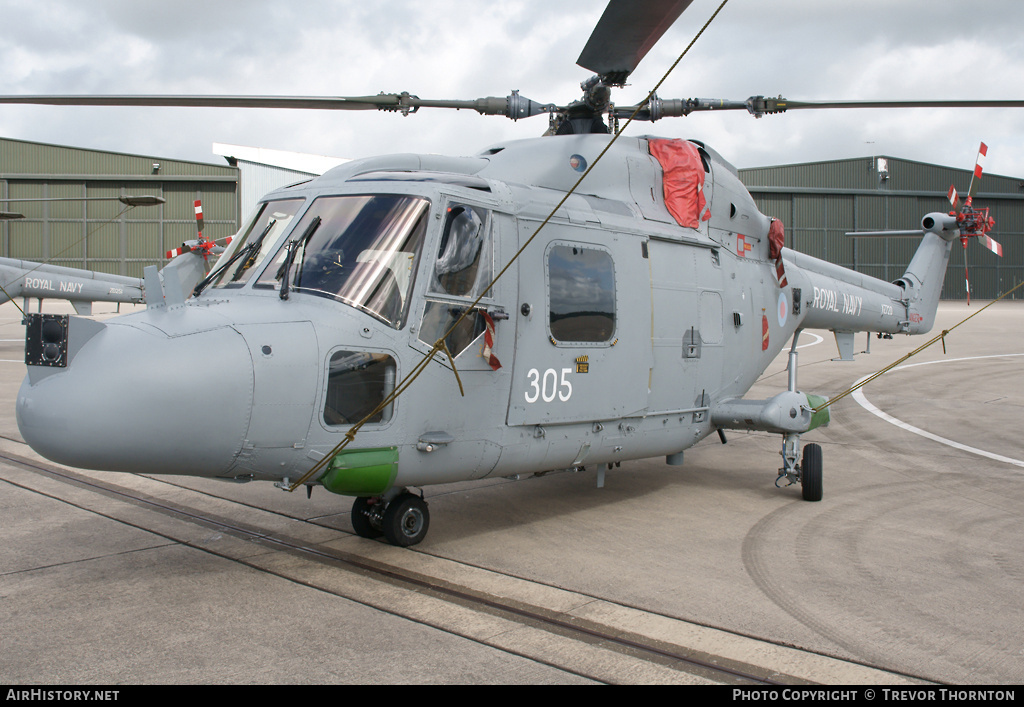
(406, 520)
(365, 512)
(810, 472)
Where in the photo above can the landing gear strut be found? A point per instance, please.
(807, 472)
(366, 517)
(403, 521)
(809, 469)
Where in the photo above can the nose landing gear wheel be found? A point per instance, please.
(810, 473)
(406, 520)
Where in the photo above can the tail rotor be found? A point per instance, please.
(201, 245)
(973, 222)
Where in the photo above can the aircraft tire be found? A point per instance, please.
(810, 472)
(406, 520)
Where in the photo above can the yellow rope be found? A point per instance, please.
(439, 344)
(916, 351)
(12, 299)
(60, 253)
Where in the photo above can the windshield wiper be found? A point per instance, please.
(252, 249)
(293, 248)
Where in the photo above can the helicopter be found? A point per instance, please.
(29, 279)
(577, 299)
(81, 288)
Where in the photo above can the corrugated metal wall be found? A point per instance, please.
(820, 202)
(258, 180)
(105, 235)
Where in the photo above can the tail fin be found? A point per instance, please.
(922, 282)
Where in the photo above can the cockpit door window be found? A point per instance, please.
(463, 264)
(462, 270)
(359, 249)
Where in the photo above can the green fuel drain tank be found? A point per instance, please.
(362, 472)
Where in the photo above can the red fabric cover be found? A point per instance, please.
(776, 239)
(683, 180)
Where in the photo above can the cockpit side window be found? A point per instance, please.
(463, 264)
(359, 249)
(357, 383)
(462, 269)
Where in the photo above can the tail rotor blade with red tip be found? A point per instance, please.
(967, 277)
(992, 245)
(978, 168)
(954, 198)
(199, 217)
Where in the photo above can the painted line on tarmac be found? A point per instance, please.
(858, 395)
(803, 345)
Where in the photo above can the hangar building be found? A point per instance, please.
(820, 202)
(263, 170)
(81, 231)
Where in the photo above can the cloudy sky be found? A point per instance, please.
(801, 49)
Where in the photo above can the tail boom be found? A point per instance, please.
(835, 298)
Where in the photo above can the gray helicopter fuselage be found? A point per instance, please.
(616, 332)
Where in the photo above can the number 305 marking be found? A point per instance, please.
(545, 387)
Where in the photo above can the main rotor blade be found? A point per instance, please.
(512, 106)
(625, 33)
(760, 105)
(320, 102)
(784, 105)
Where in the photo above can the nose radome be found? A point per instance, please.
(136, 400)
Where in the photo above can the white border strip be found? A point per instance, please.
(858, 395)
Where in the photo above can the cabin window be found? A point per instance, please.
(357, 383)
(360, 250)
(255, 240)
(581, 294)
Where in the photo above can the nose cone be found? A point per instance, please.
(134, 399)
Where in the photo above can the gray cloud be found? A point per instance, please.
(804, 49)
